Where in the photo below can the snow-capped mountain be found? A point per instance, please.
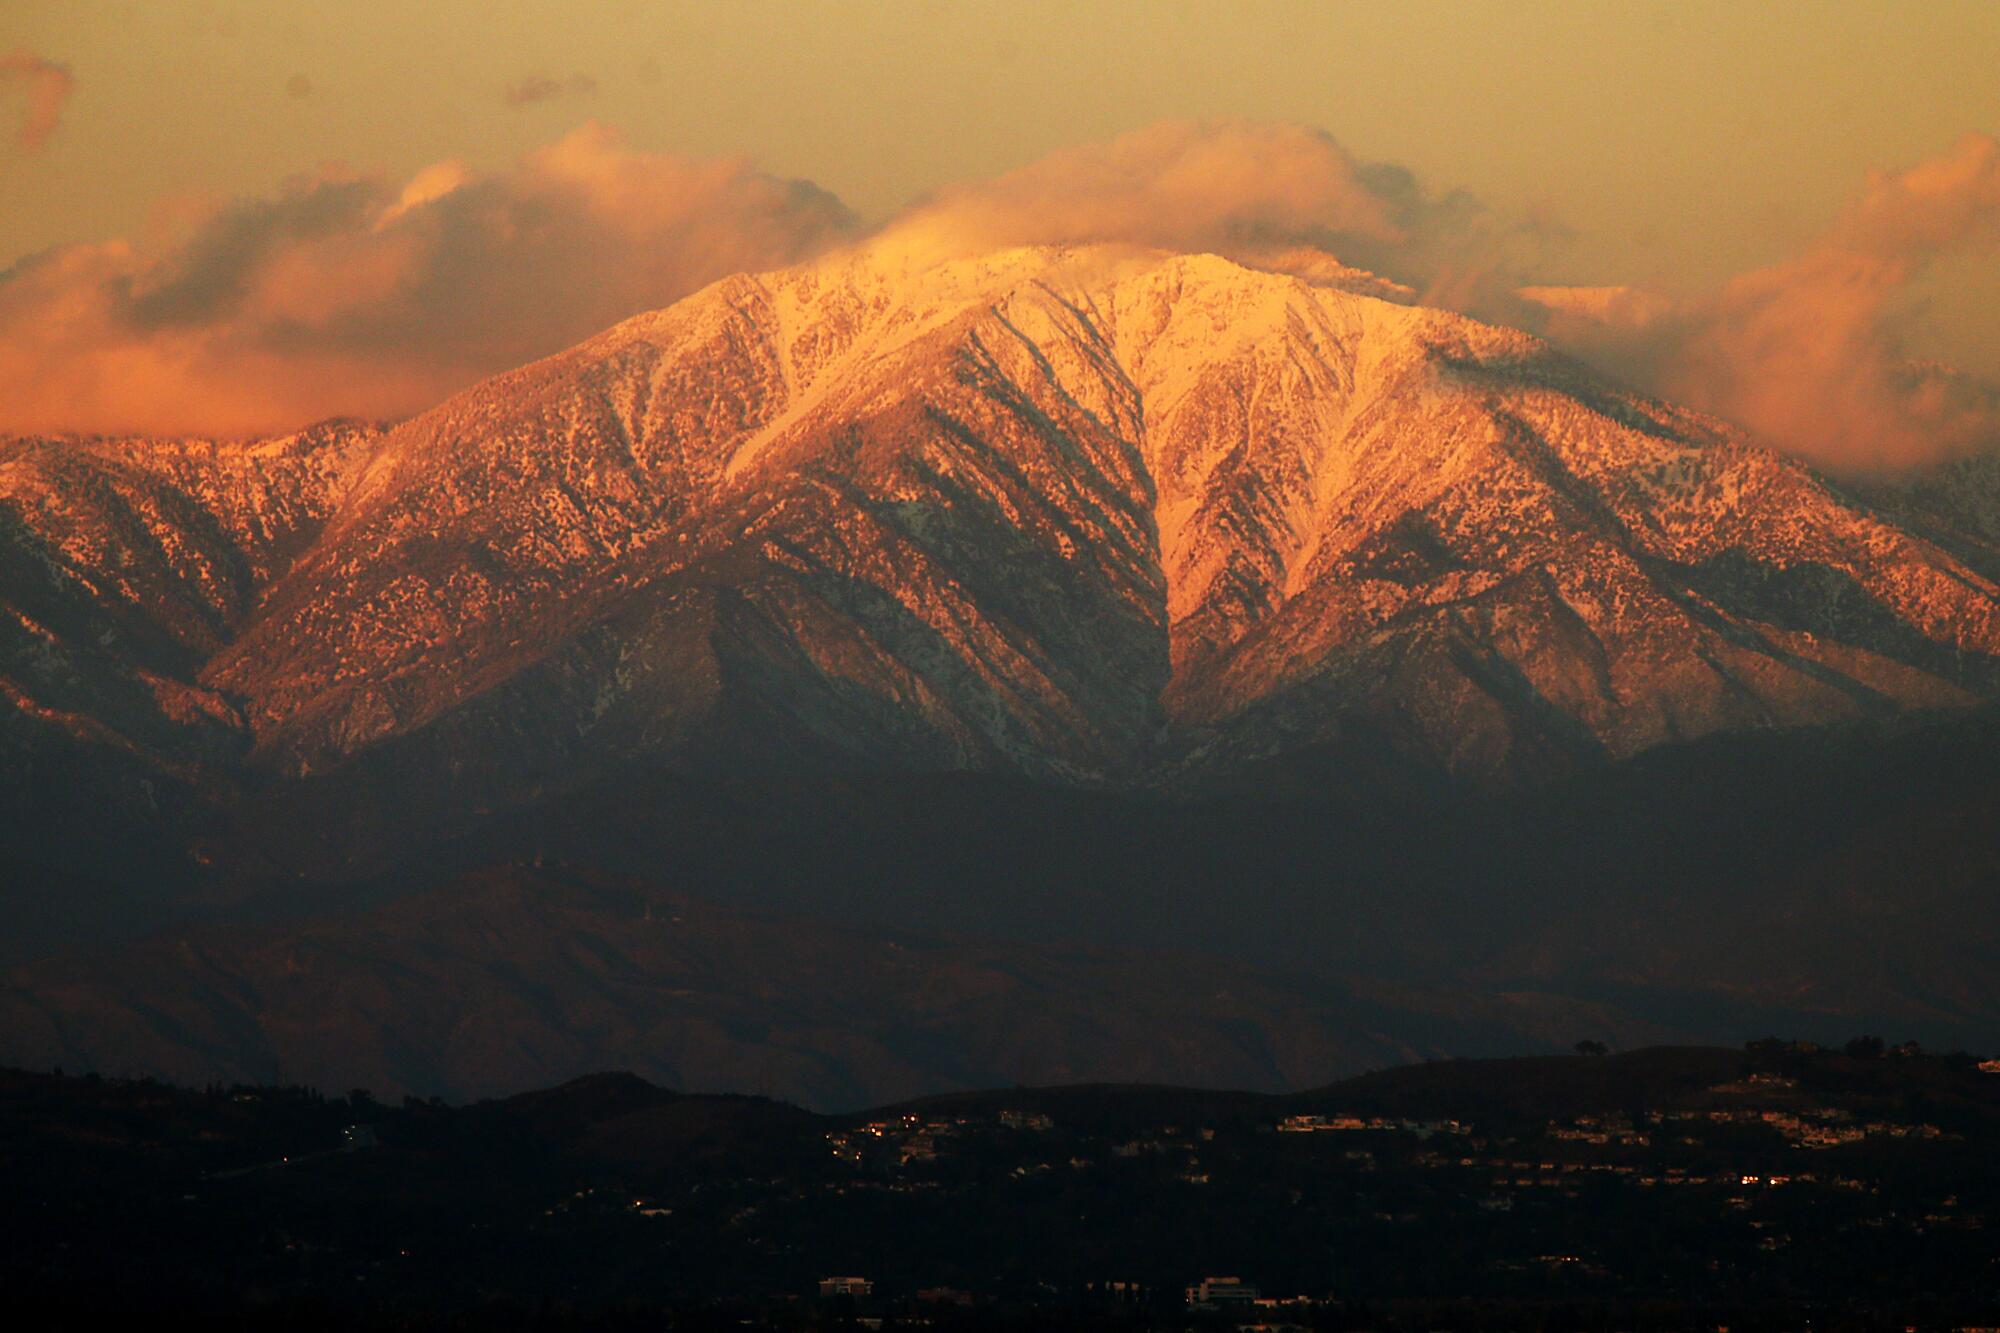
(1095, 515)
(714, 600)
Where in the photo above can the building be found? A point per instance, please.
(846, 1286)
(1215, 1293)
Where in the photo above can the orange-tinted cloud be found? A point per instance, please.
(349, 294)
(1805, 352)
(353, 295)
(46, 85)
(1277, 193)
(1183, 185)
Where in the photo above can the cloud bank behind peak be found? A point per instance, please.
(349, 294)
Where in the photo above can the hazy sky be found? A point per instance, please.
(1672, 144)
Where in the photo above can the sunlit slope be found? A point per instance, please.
(1094, 515)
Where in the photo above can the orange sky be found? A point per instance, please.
(1677, 147)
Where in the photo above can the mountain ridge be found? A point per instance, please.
(1098, 516)
(1287, 622)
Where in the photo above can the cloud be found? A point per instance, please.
(47, 86)
(1275, 193)
(350, 294)
(1806, 352)
(534, 88)
(1181, 185)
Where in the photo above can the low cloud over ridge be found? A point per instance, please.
(1805, 351)
(1277, 194)
(347, 294)
(354, 295)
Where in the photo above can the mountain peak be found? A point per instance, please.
(1093, 514)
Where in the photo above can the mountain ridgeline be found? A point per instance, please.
(1107, 518)
(1183, 541)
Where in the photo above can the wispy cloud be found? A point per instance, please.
(537, 88)
(46, 86)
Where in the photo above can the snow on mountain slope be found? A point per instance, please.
(1956, 504)
(886, 520)
(125, 565)
(1097, 515)
(1371, 511)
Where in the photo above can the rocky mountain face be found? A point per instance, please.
(1096, 516)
